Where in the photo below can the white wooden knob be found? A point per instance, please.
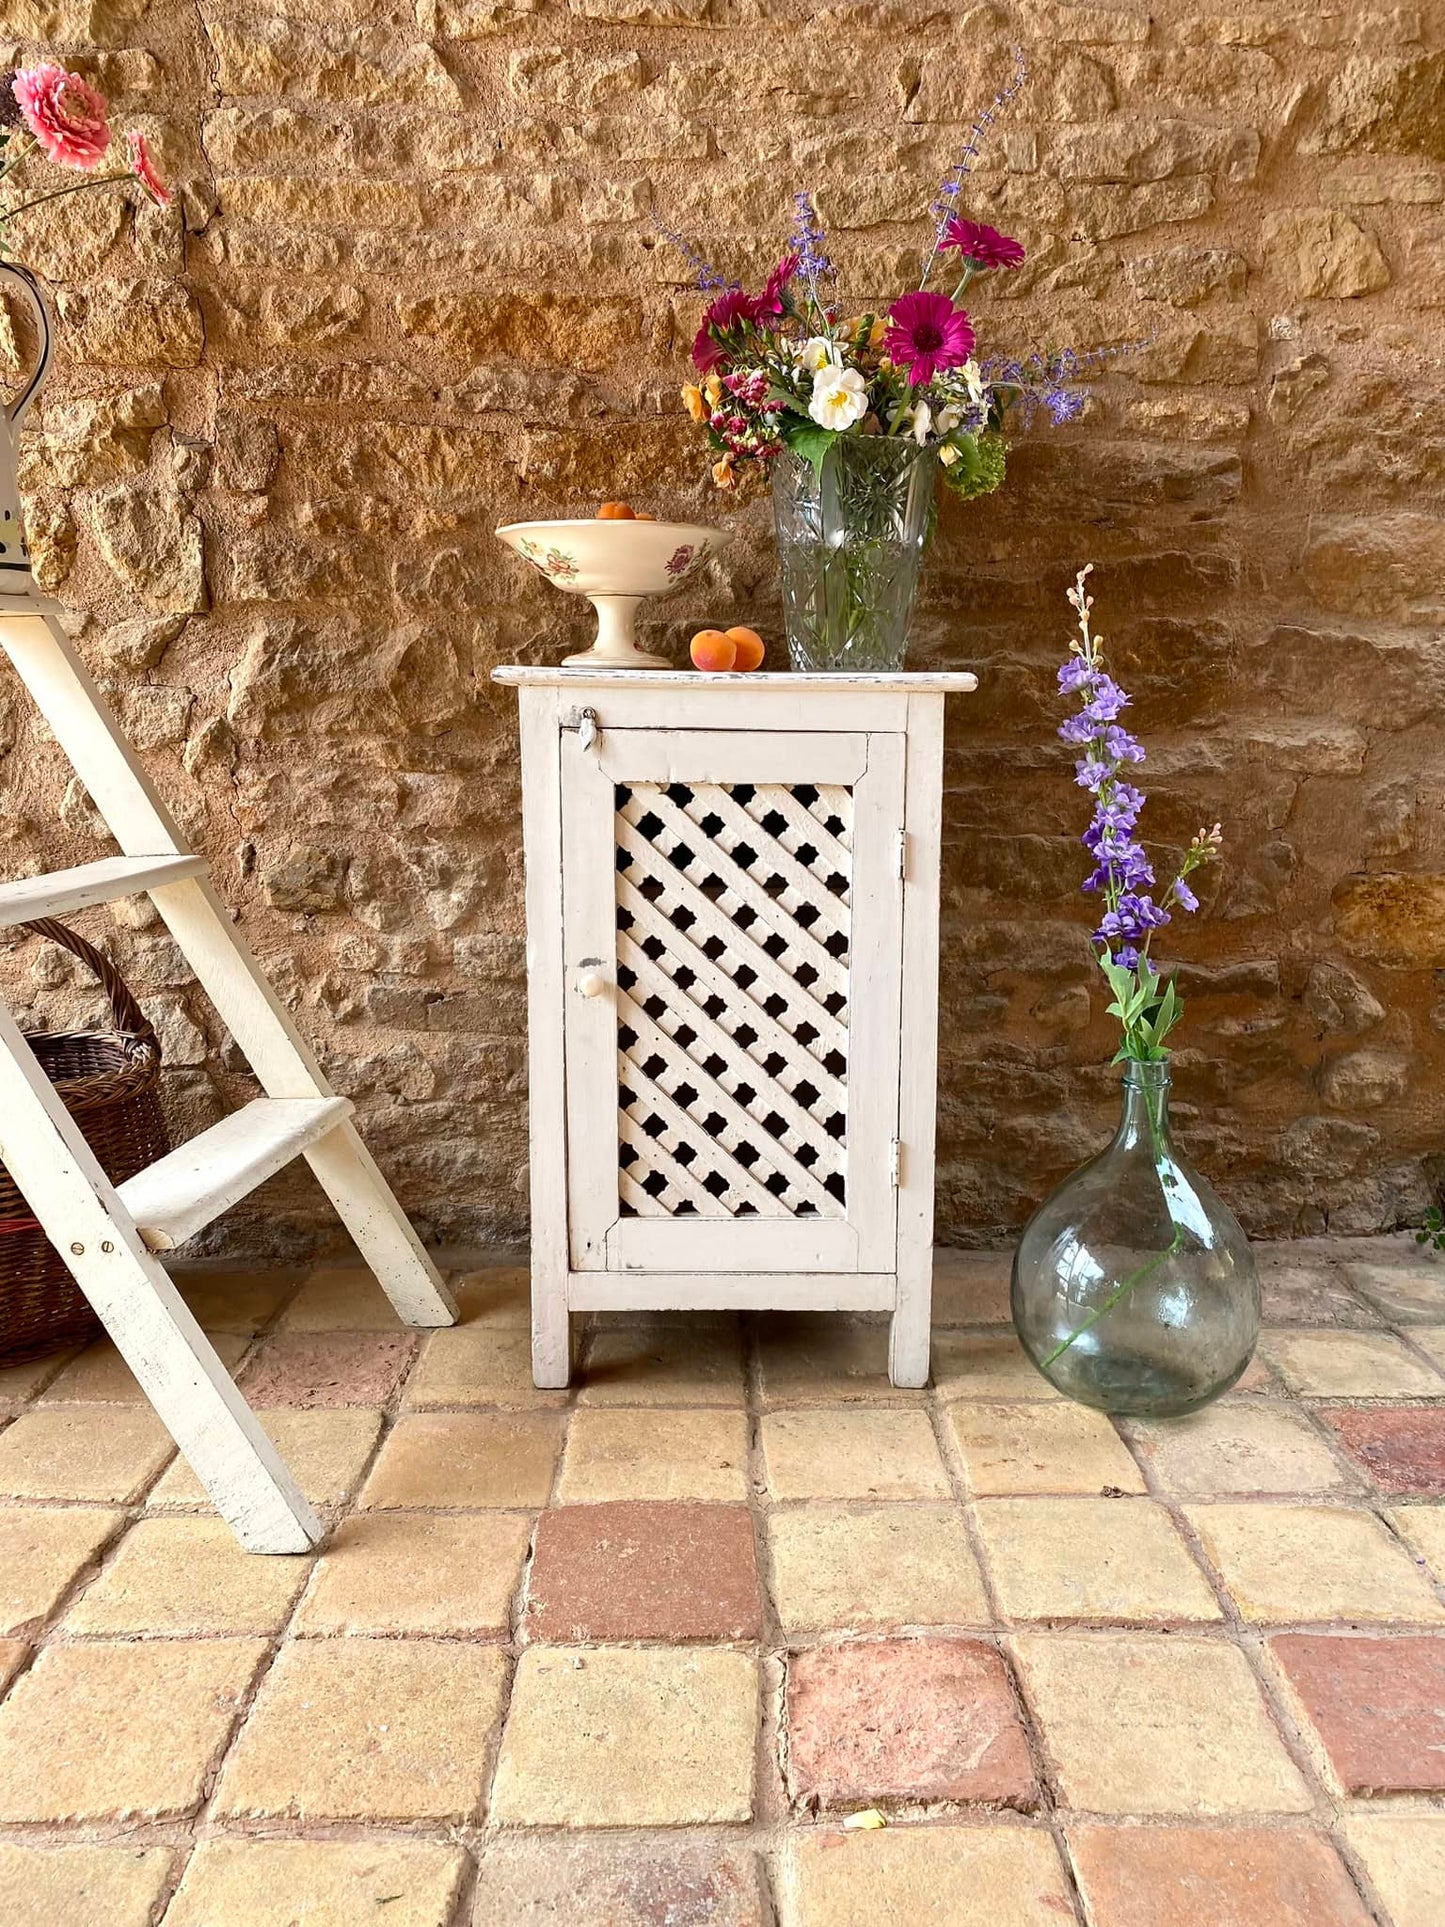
(591, 983)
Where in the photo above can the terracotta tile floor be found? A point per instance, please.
(636, 1653)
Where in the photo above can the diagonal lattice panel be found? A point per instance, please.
(733, 909)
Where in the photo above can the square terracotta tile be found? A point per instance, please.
(853, 1454)
(494, 1295)
(622, 1453)
(326, 1452)
(994, 1876)
(971, 1287)
(125, 1731)
(986, 1365)
(1144, 1723)
(367, 1729)
(235, 1301)
(1061, 1448)
(864, 1568)
(321, 1369)
(43, 1551)
(333, 1883)
(1296, 1294)
(90, 1886)
(1099, 1559)
(644, 1571)
(466, 1460)
(1349, 1364)
(1377, 1704)
(1408, 1294)
(188, 1576)
(1222, 1877)
(905, 1720)
(819, 1358)
(678, 1366)
(591, 1880)
(100, 1376)
(1238, 1447)
(1400, 1448)
(1291, 1564)
(452, 1574)
(477, 1365)
(108, 1454)
(341, 1298)
(614, 1736)
(1422, 1527)
(1404, 1856)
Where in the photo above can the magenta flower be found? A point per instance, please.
(64, 113)
(771, 301)
(927, 334)
(982, 244)
(730, 308)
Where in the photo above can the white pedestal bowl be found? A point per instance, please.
(617, 566)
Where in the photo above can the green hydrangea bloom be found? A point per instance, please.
(980, 467)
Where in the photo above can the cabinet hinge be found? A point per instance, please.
(895, 1163)
(902, 853)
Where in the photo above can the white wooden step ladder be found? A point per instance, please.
(109, 1235)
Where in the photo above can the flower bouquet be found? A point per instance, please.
(855, 413)
(49, 115)
(1133, 1286)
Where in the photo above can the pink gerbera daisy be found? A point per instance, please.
(64, 113)
(982, 244)
(926, 334)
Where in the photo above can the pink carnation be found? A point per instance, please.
(144, 169)
(64, 113)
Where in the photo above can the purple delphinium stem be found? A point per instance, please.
(945, 202)
(808, 242)
(705, 275)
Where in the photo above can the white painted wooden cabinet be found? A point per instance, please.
(732, 944)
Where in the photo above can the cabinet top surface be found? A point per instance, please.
(941, 682)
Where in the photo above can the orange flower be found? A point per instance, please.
(693, 402)
(713, 389)
(722, 472)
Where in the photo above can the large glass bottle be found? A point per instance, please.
(1134, 1288)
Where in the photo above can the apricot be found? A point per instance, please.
(750, 648)
(713, 651)
(616, 512)
(643, 516)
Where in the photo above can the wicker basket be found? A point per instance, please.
(109, 1082)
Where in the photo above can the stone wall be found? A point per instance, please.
(409, 290)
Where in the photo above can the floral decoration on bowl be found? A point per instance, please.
(555, 564)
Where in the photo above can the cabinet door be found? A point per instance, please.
(733, 902)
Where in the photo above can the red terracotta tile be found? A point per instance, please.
(906, 1719)
(328, 1368)
(1402, 1447)
(641, 1570)
(1378, 1705)
(1236, 1877)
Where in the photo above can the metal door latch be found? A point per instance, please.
(588, 729)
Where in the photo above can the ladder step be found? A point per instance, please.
(180, 1194)
(107, 881)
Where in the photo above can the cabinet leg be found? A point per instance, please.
(551, 1338)
(910, 1329)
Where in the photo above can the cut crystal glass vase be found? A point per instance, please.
(1134, 1288)
(851, 538)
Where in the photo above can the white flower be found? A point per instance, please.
(816, 353)
(840, 398)
(948, 455)
(922, 422)
(947, 419)
(973, 377)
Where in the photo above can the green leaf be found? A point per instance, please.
(809, 441)
(781, 398)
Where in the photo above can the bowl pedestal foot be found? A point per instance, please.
(616, 647)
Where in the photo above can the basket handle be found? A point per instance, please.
(125, 1011)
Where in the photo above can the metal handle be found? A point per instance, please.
(591, 983)
(588, 731)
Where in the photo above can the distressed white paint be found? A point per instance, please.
(731, 1215)
(94, 1225)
